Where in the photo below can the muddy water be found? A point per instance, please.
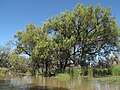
(42, 83)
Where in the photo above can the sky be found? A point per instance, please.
(15, 14)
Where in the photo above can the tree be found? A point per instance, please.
(93, 30)
(25, 40)
(19, 63)
(45, 51)
(75, 37)
(5, 52)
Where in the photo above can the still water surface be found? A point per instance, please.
(42, 83)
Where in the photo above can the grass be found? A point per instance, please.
(116, 70)
(101, 74)
(73, 71)
(63, 76)
(111, 79)
(69, 73)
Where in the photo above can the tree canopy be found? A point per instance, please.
(73, 37)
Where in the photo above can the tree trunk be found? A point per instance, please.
(74, 55)
(61, 66)
(46, 67)
(65, 65)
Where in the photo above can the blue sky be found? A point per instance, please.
(15, 14)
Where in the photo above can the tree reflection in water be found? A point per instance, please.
(43, 83)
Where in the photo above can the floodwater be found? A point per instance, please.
(43, 83)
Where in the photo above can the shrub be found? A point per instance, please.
(116, 70)
(90, 72)
(63, 76)
(76, 72)
(73, 71)
(101, 72)
(3, 70)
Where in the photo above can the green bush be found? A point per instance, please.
(73, 71)
(76, 72)
(67, 70)
(101, 72)
(3, 70)
(84, 72)
(116, 70)
(90, 72)
(63, 76)
(109, 72)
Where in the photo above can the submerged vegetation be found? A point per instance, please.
(84, 41)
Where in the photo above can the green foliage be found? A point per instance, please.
(19, 63)
(112, 79)
(101, 72)
(84, 72)
(4, 56)
(90, 72)
(76, 36)
(116, 70)
(87, 29)
(25, 40)
(73, 71)
(63, 76)
(76, 72)
(3, 70)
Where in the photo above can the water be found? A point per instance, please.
(42, 83)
